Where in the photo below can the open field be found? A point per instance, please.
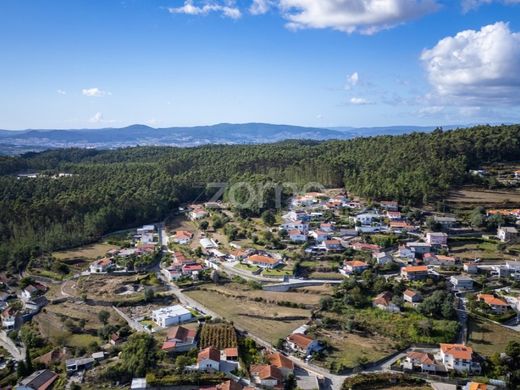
(488, 338)
(349, 350)
(238, 290)
(471, 249)
(51, 323)
(267, 321)
(89, 252)
(106, 287)
(481, 197)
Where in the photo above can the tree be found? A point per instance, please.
(103, 316)
(139, 354)
(203, 225)
(268, 218)
(149, 295)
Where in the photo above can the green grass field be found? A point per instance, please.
(488, 338)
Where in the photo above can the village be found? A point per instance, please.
(328, 288)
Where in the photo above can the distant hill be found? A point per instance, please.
(16, 142)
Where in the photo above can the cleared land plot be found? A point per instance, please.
(487, 338)
(267, 321)
(90, 252)
(51, 323)
(106, 287)
(471, 249)
(237, 290)
(468, 197)
(349, 350)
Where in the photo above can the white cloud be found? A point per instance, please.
(352, 80)
(96, 118)
(364, 16)
(61, 92)
(94, 92)
(227, 9)
(358, 101)
(260, 7)
(468, 5)
(476, 67)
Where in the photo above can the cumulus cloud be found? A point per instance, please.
(94, 92)
(96, 118)
(476, 67)
(260, 7)
(61, 92)
(358, 101)
(468, 5)
(227, 9)
(352, 80)
(364, 16)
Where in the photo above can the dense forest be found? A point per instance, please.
(114, 189)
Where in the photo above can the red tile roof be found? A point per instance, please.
(280, 361)
(491, 300)
(300, 340)
(266, 371)
(209, 353)
(458, 351)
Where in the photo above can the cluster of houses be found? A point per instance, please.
(182, 266)
(458, 358)
(144, 242)
(18, 309)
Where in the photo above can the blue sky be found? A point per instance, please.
(104, 63)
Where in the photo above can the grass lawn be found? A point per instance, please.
(277, 272)
(81, 340)
(267, 321)
(487, 338)
(247, 267)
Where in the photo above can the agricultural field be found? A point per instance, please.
(267, 321)
(78, 259)
(242, 291)
(350, 350)
(488, 338)
(470, 198)
(220, 336)
(476, 248)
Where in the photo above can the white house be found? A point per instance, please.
(471, 268)
(497, 305)
(208, 243)
(172, 315)
(366, 218)
(182, 237)
(422, 360)
(208, 359)
(263, 261)
(299, 342)
(458, 357)
(266, 375)
(507, 233)
(319, 235)
(297, 236)
(295, 225)
(382, 258)
(461, 282)
(419, 248)
(437, 238)
(412, 297)
(100, 266)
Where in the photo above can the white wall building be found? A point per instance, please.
(171, 315)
